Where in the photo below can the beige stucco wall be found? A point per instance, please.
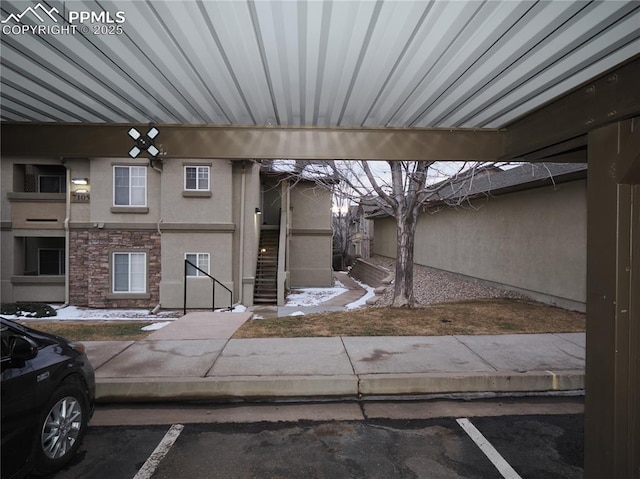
(43, 215)
(219, 223)
(310, 261)
(310, 207)
(81, 168)
(174, 247)
(49, 289)
(101, 181)
(178, 207)
(16, 207)
(310, 240)
(6, 185)
(246, 245)
(6, 236)
(6, 265)
(188, 222)
(534, 241)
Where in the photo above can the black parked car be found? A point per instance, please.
(48, 392)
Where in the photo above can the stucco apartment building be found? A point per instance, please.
(104, 232)
(523, 228)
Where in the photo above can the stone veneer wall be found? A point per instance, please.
(89, 267)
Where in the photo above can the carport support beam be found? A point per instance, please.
(612, 404)
(237, 142)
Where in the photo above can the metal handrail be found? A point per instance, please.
(213, 294)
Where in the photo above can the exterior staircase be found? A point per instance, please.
(266, 287)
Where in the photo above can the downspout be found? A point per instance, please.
(159, 170)
(287, 260)
(242, 219)
(283, 249)
(67, 241)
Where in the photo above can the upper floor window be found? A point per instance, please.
(130, 186)
(196, 178)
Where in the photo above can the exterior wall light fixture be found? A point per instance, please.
(80, 181)
(258, 211)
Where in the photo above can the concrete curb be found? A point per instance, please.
(339, 386)
(472, 382)
(237, 387)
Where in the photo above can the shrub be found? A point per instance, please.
(28, 310)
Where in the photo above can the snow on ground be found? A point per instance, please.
(306, 297)
(76, 313)
(315, 296)
(155, 326)
(362, 301)
(238, 308)
(312, 296)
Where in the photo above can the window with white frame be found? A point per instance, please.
(196, 178)
(130, 185)
(129, 272)
(201, 260)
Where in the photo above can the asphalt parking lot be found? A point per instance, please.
(531, 446)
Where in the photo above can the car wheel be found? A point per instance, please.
(62, 428)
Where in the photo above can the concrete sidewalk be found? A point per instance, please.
(194, 358)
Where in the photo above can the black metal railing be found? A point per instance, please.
(188, 263)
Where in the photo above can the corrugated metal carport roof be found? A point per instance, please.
(343, 63)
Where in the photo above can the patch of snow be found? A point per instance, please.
(155, 326)
(75, 313)
(257, 316)
(238, 308)
(297, 313)
(362, 301)
(312, 296)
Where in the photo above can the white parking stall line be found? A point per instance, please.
(151, 464)
(485, 446)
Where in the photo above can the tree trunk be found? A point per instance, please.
(406, 233)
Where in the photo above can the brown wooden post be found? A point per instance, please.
(612, 404)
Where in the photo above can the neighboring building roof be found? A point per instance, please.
(492, 181)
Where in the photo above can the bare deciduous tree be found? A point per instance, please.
(401, 189)
(342, 231)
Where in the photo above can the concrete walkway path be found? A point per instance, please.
(354, 293)
(194, 359)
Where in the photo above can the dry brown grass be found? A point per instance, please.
(93, 330)
(490, 316)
